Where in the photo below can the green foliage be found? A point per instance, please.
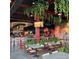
(64, 49)
(37, 9)
(56, 20)
(42, 41)
(55, 39)
(62, 6)
(30, 41)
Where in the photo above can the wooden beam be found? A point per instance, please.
(24, 6)
(21, 20)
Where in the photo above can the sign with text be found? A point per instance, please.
(38, 24)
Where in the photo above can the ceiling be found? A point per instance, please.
(17, 10)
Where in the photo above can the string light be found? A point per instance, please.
(31, 15)
(59, 14)
(33, 3)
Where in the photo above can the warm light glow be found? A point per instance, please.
(26, 33)
(66, 28)
(46, 30)
(57, 31)
(68, 24)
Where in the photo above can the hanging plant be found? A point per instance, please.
(62, 6)
(38, 9)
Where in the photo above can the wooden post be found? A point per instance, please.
(37, 34)
(37, 31)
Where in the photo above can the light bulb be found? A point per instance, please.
(33, 3)
(31, 15)
(59, 14)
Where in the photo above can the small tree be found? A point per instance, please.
(38, 9)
